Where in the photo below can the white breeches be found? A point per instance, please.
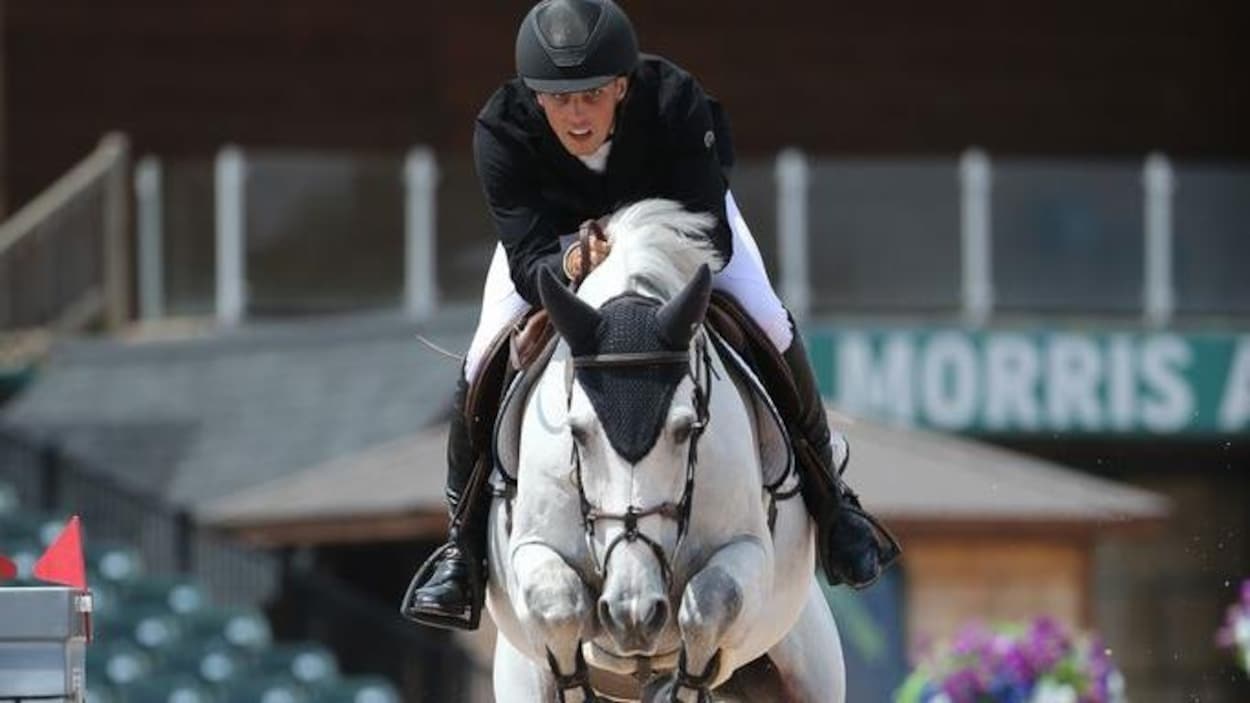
(744, 278)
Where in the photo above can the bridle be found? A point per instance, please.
(700, 372)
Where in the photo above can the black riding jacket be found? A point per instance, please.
(670, 140)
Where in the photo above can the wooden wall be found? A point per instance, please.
(952, 580)
(1063, 77)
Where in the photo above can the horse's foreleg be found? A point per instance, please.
(555, 612)
(518, 678)
(809, 657)
(716, 606)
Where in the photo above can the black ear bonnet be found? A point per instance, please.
(631, 402)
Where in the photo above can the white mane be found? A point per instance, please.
(657, 246)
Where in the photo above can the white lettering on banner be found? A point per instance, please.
(1011, 367)
(949, 383)
(1235, 405)
(883, 389)
(1168, 403)
(1073, 367)
(1035, 381)
(1121, 382)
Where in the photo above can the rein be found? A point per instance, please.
(701, 373)
(590, 229)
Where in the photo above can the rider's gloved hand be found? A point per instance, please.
(592, 237)
(598, 250)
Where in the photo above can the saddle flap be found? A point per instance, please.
(507, 435)
(776, 453)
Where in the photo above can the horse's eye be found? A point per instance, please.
(580, 432)
(682, 429)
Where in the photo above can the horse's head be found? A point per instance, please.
(637, 403)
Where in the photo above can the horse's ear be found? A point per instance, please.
(679, 317)
(574, 319)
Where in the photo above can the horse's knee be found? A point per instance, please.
(713, 600)
(554, 606)
(555, 598)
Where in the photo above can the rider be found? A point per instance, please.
(590, 125)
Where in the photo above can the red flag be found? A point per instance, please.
(8, 570)
(62, 562)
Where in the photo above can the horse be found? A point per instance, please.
(639, 553)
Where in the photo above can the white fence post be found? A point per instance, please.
(420, 216)
(975, 235)
(1157, 292)
(117, 214)
(151, 255)
(793, 178)
(231, 272)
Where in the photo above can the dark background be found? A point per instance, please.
(1068, 77)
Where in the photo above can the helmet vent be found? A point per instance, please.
(566, 24)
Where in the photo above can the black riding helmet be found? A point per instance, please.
(565, 46)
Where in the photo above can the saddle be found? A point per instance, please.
(496, 400)
(513, 351)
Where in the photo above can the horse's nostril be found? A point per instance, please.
(658, 617)
(605, 614)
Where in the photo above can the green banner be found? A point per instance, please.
(1039, 382)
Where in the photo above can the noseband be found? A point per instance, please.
(700, 372)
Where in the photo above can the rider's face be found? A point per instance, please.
(583, 120)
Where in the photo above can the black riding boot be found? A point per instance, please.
(448, 590)
(852, 546)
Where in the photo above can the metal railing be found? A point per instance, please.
(303, 603)
(980, 238)
(63, 257)
(291, 233)
(991, 237)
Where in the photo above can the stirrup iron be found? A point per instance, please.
(468, 619)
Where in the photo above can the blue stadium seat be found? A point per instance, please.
(149, 628)
(177, 594)
(118, 662)
(244, 628)
(358, 689)
(101, 692)
(214, 663)
(113, 562)
(264, 689)
(105, 598)
(168, 688)
(310, 663)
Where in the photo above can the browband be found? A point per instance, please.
(631, 359)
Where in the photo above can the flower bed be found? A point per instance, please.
(1040, 662)
(1235, 634)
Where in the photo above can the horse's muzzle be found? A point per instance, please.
(634, 623)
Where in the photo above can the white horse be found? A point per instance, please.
(635, 559)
